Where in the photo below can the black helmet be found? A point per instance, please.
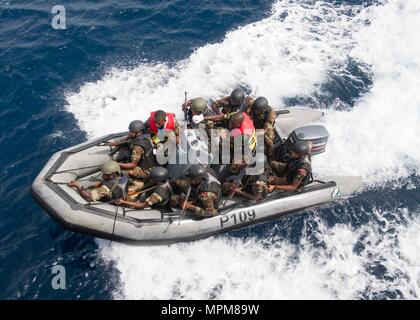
(159, 174)
(237, 95)
(197, 171)
(260, 105)
(301, 147)
(136, 125)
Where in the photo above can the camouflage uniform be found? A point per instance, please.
(296, 178)
(226, 107)
(154, 199)
(159, 196)
(107, 191)
(133, 189)
(101, 193)
(257, 185)
(205, 202)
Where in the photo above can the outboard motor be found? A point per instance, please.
(315, 134)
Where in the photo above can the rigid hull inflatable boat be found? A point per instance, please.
(152, 226)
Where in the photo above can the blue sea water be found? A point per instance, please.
(43, 71)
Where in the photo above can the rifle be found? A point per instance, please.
(117, 148)
(185, 204)
(236, 184)
(139, 192)
(185, 109)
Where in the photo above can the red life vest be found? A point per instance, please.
(169, 125)
(247, 128)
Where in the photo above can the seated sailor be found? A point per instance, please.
(264, 117)
(294, 174)
(201, 191)
(197, 111)
(161, 124)
(158, 195)
(135, 128)
(226, 107)
(137, 157)
(115, 185)
(252, 187)
(243, 141)
(207, 130)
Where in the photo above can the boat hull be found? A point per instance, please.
(156, 227)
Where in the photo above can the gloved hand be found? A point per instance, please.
(197, 118)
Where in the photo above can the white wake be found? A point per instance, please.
(290, 53)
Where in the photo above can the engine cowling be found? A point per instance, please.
(317, 135)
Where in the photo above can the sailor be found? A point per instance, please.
(135, 128)
(159, 194)
(226, 107)
(162, 124)
(203, 198)
(139, 154)
(252, 187)
(197, 111)
(243, 135)
(264, 117)
(230, 104)
(115, 185)
(198, 114)
(294, 174)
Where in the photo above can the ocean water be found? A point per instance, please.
(359, 61)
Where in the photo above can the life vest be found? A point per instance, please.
(247, 129)
(292, 168)
(118, 186)
(169, 124)
(148, 160)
